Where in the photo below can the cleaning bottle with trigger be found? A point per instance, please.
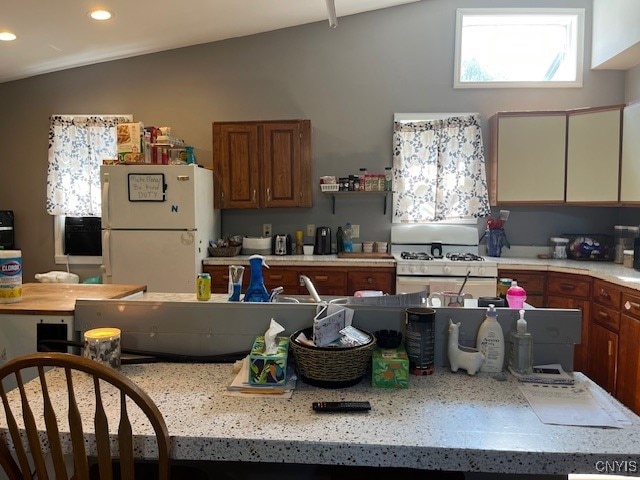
(521, 357)
(256, 292)
(490, 342)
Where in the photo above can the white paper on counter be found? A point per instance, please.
(328, 323)
(570, 405)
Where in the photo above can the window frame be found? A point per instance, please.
(580, 33)
(60, 258)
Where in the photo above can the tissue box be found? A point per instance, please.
(390, 368)
(268, 369)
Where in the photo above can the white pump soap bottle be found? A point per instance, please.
(521, 356)
(490, 342)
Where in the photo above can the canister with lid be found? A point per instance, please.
(559, 247)
(624, 236)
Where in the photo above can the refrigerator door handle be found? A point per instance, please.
(105, 202)
(106, 253)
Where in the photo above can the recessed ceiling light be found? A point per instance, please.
(100, 14)
(7, 36)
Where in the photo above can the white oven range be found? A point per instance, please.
(438, 257)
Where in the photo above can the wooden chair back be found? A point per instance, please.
(101, 376)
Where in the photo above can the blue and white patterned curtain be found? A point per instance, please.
(77, 146)
(439, 170)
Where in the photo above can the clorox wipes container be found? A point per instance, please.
(10, 276)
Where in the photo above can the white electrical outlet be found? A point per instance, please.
(266, 229)
(311, 230)
(355, 231)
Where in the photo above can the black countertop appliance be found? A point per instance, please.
(323, 241)
(7, 236)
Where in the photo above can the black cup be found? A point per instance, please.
(420, 340)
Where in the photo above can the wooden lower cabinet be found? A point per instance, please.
(573, 291)
(533, 283)
(603, 357)
(378, 278)
(628, 375)
(332, 281)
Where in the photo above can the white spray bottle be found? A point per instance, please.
(490, 342)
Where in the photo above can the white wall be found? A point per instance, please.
(616, 34)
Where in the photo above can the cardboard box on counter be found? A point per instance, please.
(268, 369)
(390, 368)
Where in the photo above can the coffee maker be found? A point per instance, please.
(323, 241)
(6, 230)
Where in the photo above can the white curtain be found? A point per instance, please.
(77, 146)
(439, 170)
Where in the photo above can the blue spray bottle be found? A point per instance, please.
(256, 292)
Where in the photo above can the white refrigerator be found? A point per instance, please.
(157, 221)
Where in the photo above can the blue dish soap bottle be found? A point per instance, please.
(256, 292)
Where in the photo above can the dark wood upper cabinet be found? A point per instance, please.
(262, 164)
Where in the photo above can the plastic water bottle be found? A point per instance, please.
(516, 296)
(347, 238)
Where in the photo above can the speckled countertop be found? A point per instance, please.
(443, 421)
(308, 260)
(608, 271)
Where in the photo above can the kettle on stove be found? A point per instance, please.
(322, 244)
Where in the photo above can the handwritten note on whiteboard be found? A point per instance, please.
(146, 187)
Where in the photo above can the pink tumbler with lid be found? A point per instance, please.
(516, 296)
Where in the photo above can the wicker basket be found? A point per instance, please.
(329, 367)
(329, 187)
(225, 251)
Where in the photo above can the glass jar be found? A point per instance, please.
(624, 236)
(559, 248)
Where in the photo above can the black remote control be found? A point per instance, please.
(341, 406)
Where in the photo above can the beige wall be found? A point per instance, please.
(348, 81)
(632, 85)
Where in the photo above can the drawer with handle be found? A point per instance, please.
(606, 294)
(631, 305)
(606, 317)
(570, 285)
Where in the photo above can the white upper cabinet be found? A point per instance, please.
(528, 158)
(593, 155)
(559, 157)
(630, 176)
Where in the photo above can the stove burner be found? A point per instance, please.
(464, 257)
(416, 256)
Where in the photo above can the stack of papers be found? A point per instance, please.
(551, 374)
(240, 386)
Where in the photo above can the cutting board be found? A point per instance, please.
(364, 255)
(60, 298)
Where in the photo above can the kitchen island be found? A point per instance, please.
(445, 421)
(46, 312)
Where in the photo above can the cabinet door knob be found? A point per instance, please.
(567, 286)
(610, 348)
(604, 294)
(253, 196)
(268, 194)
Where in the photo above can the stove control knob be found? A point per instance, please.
(481, 271)
(447, 269)
(413, 269)
(424, 269)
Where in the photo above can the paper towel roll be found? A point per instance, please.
(103, 345)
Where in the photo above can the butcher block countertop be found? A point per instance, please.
(60, 298)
